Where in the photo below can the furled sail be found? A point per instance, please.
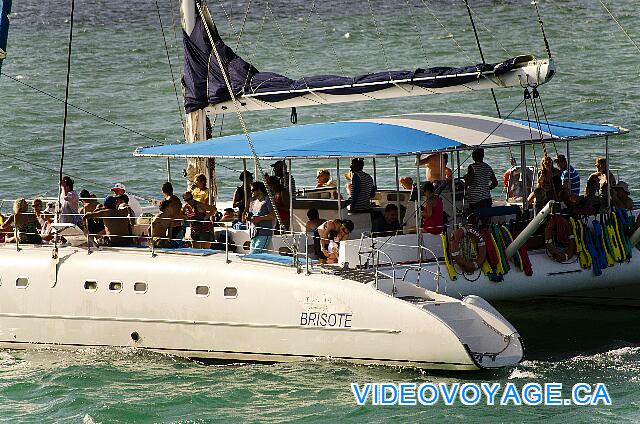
(5, 11)
(205, 86)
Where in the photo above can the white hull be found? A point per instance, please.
(269, 318)
(550, 278)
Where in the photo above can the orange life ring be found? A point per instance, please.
(556, 224)
(456, 255)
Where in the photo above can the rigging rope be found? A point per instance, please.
(455, 41)
(620, 25)
(81, 109)
(544, 36)
(475, 32)
(173, 78)
(66, 111)
(418, 32)
(292, 247)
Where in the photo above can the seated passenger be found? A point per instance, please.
(603, 176)
(387, 224)
(160, 225)
(198, 214)
(119, 189)
(432, 211)
(568, 174)
(262, 218)
(323, 179)
(228, 216)
(362, 188)
(333, 247)
(36, 205)
(95, 226)
(514, 184)
(546, 176)
(26, 224)
(620, 196)
(239, 194)
(116, 222)
(321, 235)
(200, 191)
(314, 220)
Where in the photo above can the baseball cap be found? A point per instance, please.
(118, 186)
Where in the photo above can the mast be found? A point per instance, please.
(196, 121)
(5, 11)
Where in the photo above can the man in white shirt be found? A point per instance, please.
(119, 189)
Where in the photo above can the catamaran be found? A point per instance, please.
(222, 305)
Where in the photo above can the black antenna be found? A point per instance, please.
(475, 32)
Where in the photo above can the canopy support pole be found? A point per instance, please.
(397, 190)
(523, 175)
(338, 183)
(290, 200)
(608, 172)
(453, 193)
(168, 169)
(375, 173)
(418, 210)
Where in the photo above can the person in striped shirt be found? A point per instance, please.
(569, 176)
(479, 182)
(362, 187)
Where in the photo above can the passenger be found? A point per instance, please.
(200, 191)
(261, 216)
(280, 171)
(620, 196)
(436, 166)
(433, 210)
(603, 175)
(513, 184)
(95, 226)
(321, 235)
(387, 224)
(590, 203)
(333, 248)
(36, 205)
(198, 215)
(70, 203)
(323, 178)
(314, 220)
(26, 224)
(160, 225)
(46, 232)
(281, 200)
(546, 176)
(116, 223)
(228, 216)
(568, 174)
(479, 181)
(239, 195)
(119, 189)
(362, 188)
(122, 203)
(174, 213)
(407, 184)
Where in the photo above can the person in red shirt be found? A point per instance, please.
(432, 211)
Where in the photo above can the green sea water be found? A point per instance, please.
(120, 72)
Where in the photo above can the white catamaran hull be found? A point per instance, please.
(201, 307)
(550, 278)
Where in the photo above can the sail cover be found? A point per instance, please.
(204, 83)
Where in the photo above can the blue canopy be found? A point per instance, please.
(402, 135)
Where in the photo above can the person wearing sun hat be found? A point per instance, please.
(620, 196)
(119, 189)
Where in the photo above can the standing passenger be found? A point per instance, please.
(568, 174)
(200, 191)
(362, 187)
(479, 182)
(242, 193)
(69, 203)
(261, 216)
